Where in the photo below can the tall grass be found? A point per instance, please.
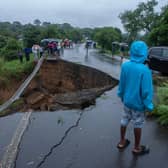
(161, 110)
(14, 70)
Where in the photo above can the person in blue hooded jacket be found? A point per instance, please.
(136, 92)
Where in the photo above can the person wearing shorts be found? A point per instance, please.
(136, 117)
(136, 92)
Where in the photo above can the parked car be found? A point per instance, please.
(158, 59)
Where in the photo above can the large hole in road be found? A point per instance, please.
(61, 84)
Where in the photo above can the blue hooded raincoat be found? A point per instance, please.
(135, 86)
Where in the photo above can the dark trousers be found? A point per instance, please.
(27, 56)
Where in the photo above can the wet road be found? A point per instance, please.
(84, 138)
(8, 126)
(93, 59)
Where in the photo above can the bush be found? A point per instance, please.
(105, 36)
(10, 51)
(3, 41)
(161, 110)
(14, 70)
(163, 94)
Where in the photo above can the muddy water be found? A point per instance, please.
(88, 138)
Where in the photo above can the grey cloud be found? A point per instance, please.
(81, 13)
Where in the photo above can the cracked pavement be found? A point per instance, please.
(87, 138)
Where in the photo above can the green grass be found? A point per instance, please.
(14, 69)
(161, 110)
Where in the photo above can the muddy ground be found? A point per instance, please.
(60, 85)
(63, 85)
(8, 89)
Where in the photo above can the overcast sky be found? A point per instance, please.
(80, 13)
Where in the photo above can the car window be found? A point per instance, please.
(156, 51)
(165, 53)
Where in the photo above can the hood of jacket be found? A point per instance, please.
(138, 51)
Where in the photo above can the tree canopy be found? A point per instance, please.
(30, 34)
(105, 36)
(141, 23)
(141, 19)
(159, 35)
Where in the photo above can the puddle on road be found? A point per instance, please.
(63, 85)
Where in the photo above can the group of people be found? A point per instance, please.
(36, 50)
(54, 48)
(67, 43)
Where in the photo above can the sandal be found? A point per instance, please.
(142, 151)
(127, 142)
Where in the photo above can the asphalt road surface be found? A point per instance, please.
(84, 138)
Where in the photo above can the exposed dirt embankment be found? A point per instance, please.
(8, 88)
(60, 85)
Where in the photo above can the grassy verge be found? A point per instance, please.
(161, 109)
(14, 70)
(109, 52)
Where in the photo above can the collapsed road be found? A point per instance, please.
(54, 84)
(86, 137)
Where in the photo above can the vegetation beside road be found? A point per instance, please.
(161, 109)
(14, 70)
(142, 23)
(146, 19)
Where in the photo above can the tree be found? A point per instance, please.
(66, 26)
(143, 18)
(16, 28)
(51, 31)
(10, 51)
(46, 24)
(87, 32)
(159, 35)
(75, 35)
(147, 16)
(37, 22)
(31, 35)
(105, 36)
(131, 24)
(3, 41)
(5, 29)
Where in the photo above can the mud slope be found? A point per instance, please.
(60, 85)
